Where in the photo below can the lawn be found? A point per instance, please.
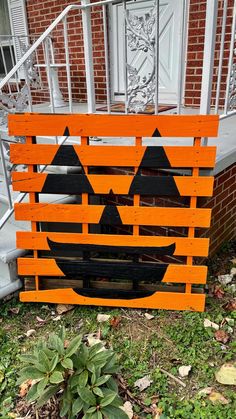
(146, 347)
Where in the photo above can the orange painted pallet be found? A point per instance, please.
(83, 242)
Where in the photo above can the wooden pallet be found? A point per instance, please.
(69, 257)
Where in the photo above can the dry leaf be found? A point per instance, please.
(230, 305)
(57, 318)
(184, 370)
(226, 374)
(221, 336)
(30, 332)
(233, 271)
(40, 320)
(208, 323)
(216, 397)
(149, 316)
(127, 407)
(218, 292)
(205, 391)
(24, 387)
(115, 321)
(143, 383)
(225, 279)
(157, 413)
(233, 261)
(103, 317)
(14, 310)
(64, 308)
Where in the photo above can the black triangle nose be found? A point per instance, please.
(110, 216)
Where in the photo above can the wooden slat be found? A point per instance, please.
(174, 273)
(112, 215)
(161, 300)
(125, 156)
(183, 246)
(114, 125)
(120, 184)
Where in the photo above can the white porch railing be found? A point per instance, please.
(39, 65)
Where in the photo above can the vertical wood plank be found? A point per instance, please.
(85, 201)
(193, 204)
(33, 198)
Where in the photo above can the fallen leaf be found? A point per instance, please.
(230, 305)
(14, 310)
(233, 261)
(184, 370)
(225, 279)
(221, 336)
(218, 292)
(216, 397)
(208, 323)
(143, 383)
(115, 321)
(226, 374)
(149, 316)
(30, 332)
(40, 320)
(66, 343)
(64, 308)
(24, 387)
(127, 407)
(205, 391)
(2, 376)
(233, 271)
(103, 317)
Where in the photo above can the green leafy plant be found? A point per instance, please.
(81, 376)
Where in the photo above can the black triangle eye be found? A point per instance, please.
(66, 132)
(156, 133)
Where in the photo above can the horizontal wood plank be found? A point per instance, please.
(161, 300)
(119, 184)
(113, 125)
(174, 273)
(184, 246)
(113, 215)
(120, 156)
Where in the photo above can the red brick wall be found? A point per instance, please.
(223, 204)
(196, 31)
(40, 15)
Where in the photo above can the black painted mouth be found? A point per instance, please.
(75, 250)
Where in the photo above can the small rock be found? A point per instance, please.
(143, 383)
(103, 317)
(128, 409)
(208, 323)
(225, 279)
(184, 370)
(149, 316)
